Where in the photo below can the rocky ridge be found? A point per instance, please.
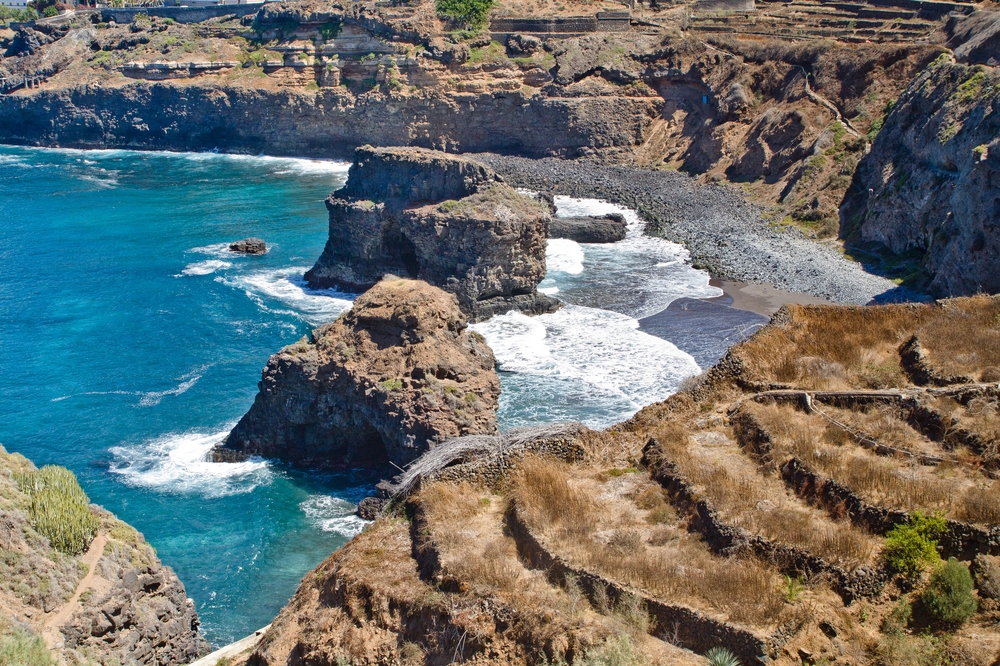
(928, 194)
(111, 602)
(393, 376)
(440, 218)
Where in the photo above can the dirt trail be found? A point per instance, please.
(63, 613)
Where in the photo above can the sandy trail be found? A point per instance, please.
(62, 615)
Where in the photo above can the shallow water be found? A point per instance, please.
(131, 340)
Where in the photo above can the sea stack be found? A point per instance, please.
(249, 246)
(444, 219)
(393, 376)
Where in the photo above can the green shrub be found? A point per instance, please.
(50, 11)
(20, 648)
(58, 508)
(329, 30)
(471, 12)
(616, 651)
(898, 619)
(720, 656)
(948, 597)
(391, 384)
(912, 546)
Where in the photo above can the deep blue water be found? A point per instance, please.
(131, 340)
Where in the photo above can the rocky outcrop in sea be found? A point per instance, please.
(396, 374)
(608, 228)
(441, 218)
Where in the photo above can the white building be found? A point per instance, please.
(16, 4)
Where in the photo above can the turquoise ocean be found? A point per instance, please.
(131, 340)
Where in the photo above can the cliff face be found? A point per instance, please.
(439, 218)
(930, 188)
(384, 382)
(87, 585)
(164, 116)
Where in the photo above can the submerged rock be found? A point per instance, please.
(608, 228)
(440, 218)
(396, 374)
(249, 246)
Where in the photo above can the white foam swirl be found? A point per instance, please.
(205, 267)
(333, 514)
(178, 463)
(563, 255)
(287, 286)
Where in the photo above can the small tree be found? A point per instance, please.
(471, 12)
(911, 547)
(948, 597)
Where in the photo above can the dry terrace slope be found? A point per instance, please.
(756, 511)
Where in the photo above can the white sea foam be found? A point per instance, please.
(152, 398)
(601, 350)
(215, 250)
(548, 291)
(205, 267)
(287, 286)
(332, 514)
(563, 255)
(638, 276)
(177, 463)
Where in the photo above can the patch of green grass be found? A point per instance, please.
(21, 648)
(391, 385)
(615, 471)
(493, 52)
(948, 132)
(58, 508)
(792, 588)
(972, 87)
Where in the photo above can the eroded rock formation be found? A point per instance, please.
(386, 381)
(249, 246)
(609, 228)
(440, 218)
(929, 191)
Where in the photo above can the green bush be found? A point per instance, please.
(58, 508)
(50, 11)
(471, 12)
(948, 597)
(912, 546)
(391, 384)
(618, 650)
(329, 30)
(720, 656)
(20, 648)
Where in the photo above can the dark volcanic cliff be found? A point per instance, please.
(930, 188)
(384, 382)
(439, 218)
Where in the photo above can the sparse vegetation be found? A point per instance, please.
(470, 12)
(391, 385)
(720, 656)
(912, 547)
(18, 647)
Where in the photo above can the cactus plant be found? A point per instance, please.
(58, 508)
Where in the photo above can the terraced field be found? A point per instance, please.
(751, 513)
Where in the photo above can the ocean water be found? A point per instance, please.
(131, 340)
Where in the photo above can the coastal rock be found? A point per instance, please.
(930, 187)
(440, 218)
(610, 228)
(114, 602)
(396, 374)
(249, 246)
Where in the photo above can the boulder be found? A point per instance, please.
(396, 374)
(440, 218)
(609, 228)
(249, 246)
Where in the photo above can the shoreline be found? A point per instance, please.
(760, 298)
(722, 230)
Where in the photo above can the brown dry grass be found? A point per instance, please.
(957, 490)
(585, 521)
(830, 347)
(964, 338)
(747, 497)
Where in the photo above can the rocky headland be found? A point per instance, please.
(440, 218)
(928, 195)
(393, 376)
(80, 585)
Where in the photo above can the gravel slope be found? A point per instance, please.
(724, 232)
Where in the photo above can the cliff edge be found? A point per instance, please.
(77, 585)
(396, 374)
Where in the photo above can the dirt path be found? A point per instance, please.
(62, 615)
